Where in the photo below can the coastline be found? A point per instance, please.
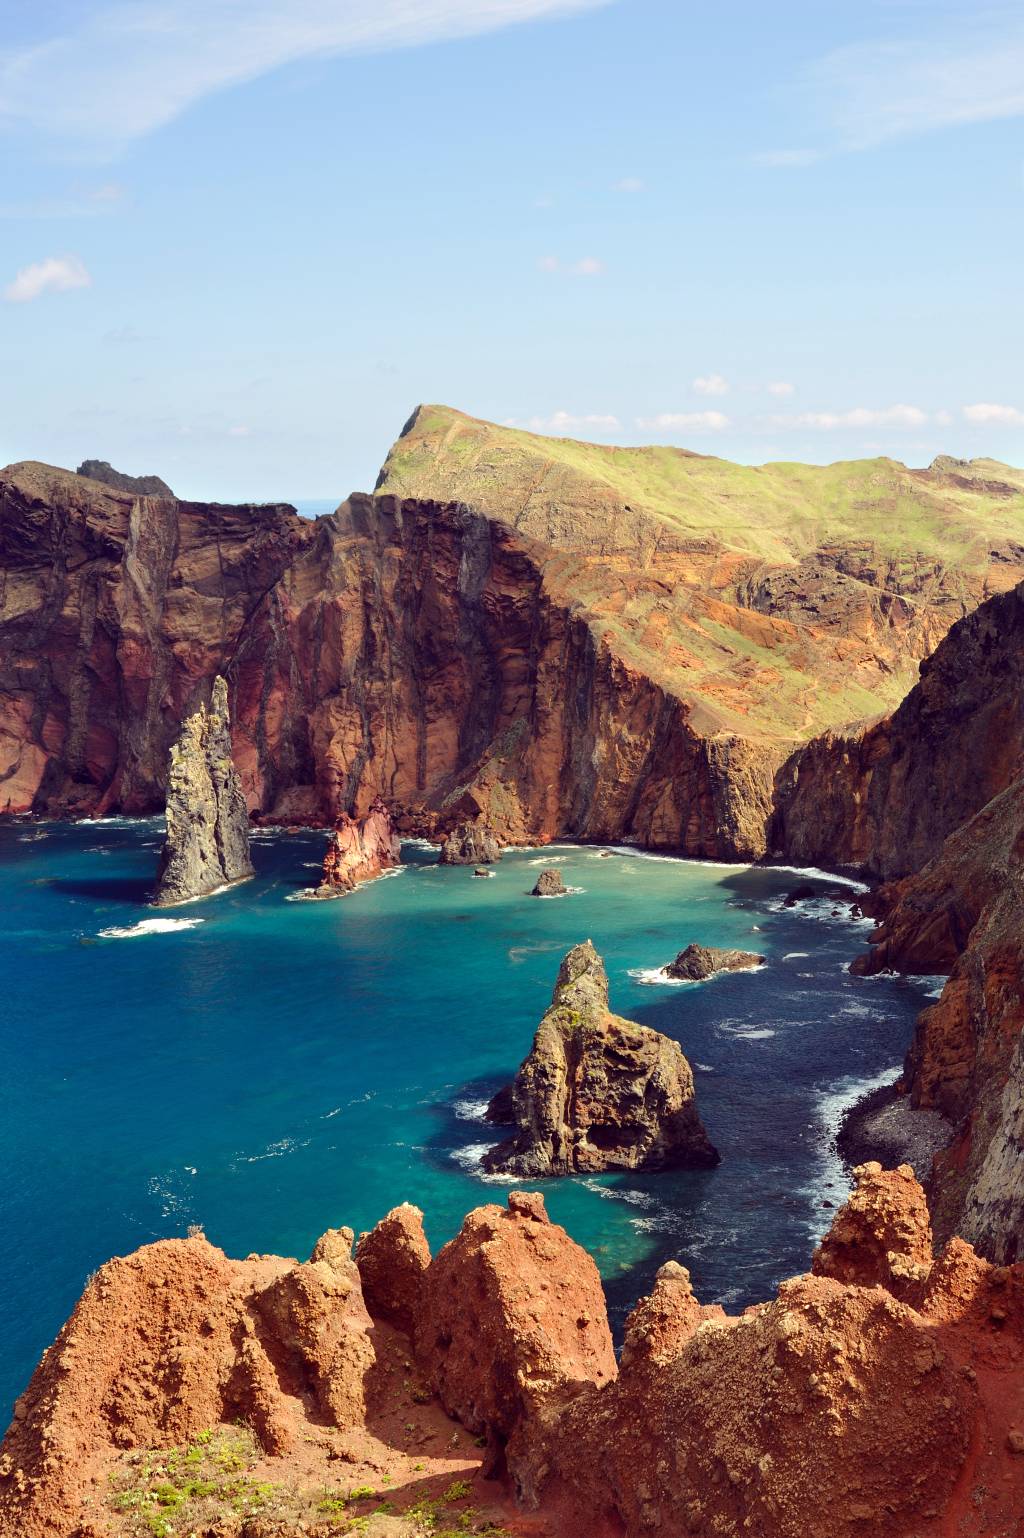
(884, 1126)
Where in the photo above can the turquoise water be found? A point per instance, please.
(269, 1068)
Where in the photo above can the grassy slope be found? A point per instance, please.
(774, 511)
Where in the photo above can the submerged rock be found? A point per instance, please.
(549, 884)
(700, 961)
(598, 1092)
(206, 845)
(360, 849)
(471, 843)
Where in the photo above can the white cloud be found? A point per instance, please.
(711, 384)
(985, 413)
(944, 418)
(685, 421)
(561, 422)
(781, 387)
(239, 432)
(859, 417)
(967, 73)
(125, 67)
(584, 267)
(53, 275)
(629, 184)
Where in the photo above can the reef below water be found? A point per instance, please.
(263, 1067)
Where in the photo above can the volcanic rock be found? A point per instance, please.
(393, 1260)
(882, 1237)
(171, 1341)
(482, 871)
(471, 843)
(598, 1092)
(513, 1321)
(700, 961)
(360, 849)
(140, 485)
(549, 884)
(206, 845)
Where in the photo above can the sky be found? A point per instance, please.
(240, 240)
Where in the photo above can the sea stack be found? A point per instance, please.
(360, 849)
(470, 843)
(206, 846)
(598, 1092)
(700, 961)
(550, 884)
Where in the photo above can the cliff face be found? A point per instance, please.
(880, 1394)
(524, 669)
(206, 845)
(598, 1092)
(886, 798)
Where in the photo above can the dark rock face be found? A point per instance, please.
(700, 961)
(141, 485)
(206, 845)
(598, 1092)
(886, 798)
(549, 884)
(471, 843)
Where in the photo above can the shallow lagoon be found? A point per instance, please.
(269, 1068)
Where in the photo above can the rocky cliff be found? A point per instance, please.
(206, 843)
(463, 658)
(140, 485)
(262, 1397)
(598, 1092)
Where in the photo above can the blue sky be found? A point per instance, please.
(241, 239)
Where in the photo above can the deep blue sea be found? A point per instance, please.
(268, 1068)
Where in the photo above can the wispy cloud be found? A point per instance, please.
(781, 388)
(711, 384)
(859, 417)
(561, 422)
(53, 275)
(685, 421)
(583, 267)
(629, 184)
(787, 159)
(128, 66)
(988, 413)
(83, 204)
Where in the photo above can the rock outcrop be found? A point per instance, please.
(470, 843)
(360, 849)
(393, 1260)
(138, 485)
(549, 884)
(881, 1394)
(698, 962)
(206, 843)
(598, 1092)
(513, 1323)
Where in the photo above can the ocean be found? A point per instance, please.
(267, 1068)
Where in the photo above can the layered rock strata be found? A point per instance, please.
(470, 843)
(206, 843)
(698, 962)
(598, 1092)
(360, 849)
(880, 1394)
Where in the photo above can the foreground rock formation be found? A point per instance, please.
(470, 843)
(698, 962)
(206, 843)
(360, 849)
(598, 1092)
(139, 485)
(880, 1394)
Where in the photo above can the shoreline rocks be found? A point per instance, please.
(550, 884)
(597, 1092)
(360, 849)
(698, 962)
(470, 843)
(206, 845)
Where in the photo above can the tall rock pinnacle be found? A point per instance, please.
(207, 842)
